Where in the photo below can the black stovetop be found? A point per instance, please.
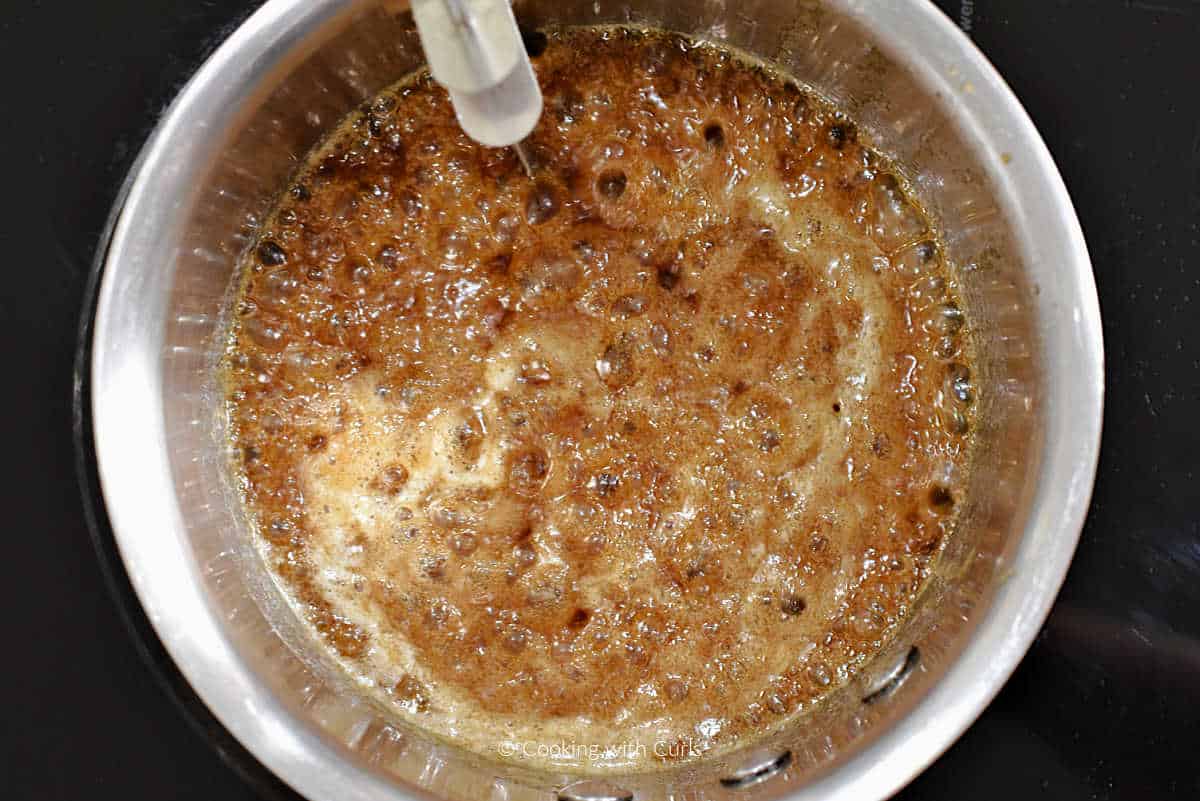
(1103, 707)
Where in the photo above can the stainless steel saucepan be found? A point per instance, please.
(915, 85)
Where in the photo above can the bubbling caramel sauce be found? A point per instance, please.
(657, 446)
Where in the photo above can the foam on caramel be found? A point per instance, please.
(655, 447)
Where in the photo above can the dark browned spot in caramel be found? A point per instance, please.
(611, 184)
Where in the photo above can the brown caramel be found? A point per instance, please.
(658, 445)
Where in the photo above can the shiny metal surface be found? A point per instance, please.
(912, 81)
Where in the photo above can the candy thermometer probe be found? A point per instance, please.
(474, 50)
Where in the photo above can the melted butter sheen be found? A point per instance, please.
(658, 446)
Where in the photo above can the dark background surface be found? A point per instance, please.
(1105, 706)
